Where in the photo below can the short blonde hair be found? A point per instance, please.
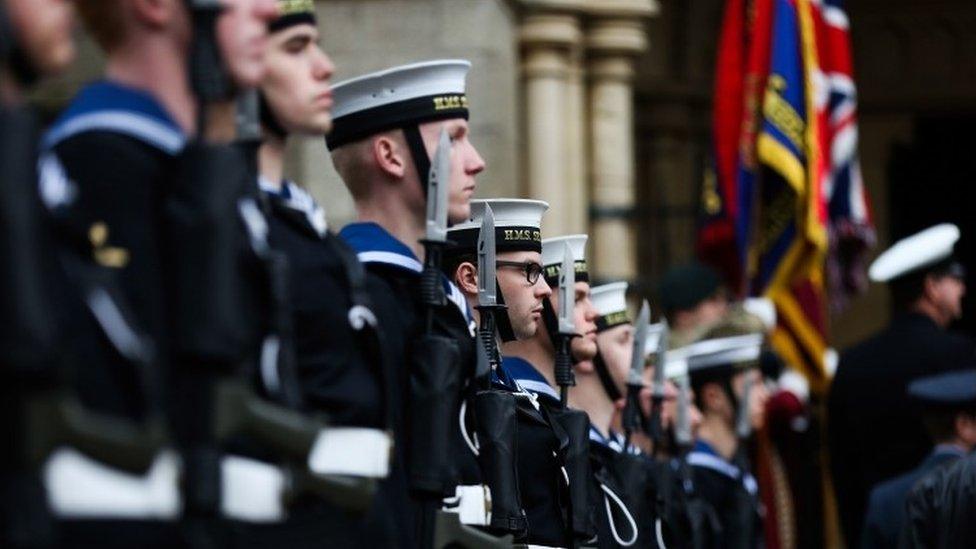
(354, 161)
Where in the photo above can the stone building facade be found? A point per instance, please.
(602, 108)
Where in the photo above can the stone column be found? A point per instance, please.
(615, 35)
(548, 37)
(575, 217)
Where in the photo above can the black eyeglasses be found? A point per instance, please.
(531, 269)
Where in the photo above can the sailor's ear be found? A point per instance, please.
(390, 154)
(155, 13)
(466, 277)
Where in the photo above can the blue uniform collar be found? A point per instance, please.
(704, 455)
(374, 244)
(113, 107)
(528, 377)
(613, 440)
(948, 450)
(299, 199)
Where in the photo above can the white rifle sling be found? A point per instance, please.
(351, 451)
(472, 504)
(251, 490)
(79, 487)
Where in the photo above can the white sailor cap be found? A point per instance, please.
(708, 355)
(396, 97)
(925, 249)
(552, 257)
(610, 301)
(517, 226)
(730, 352)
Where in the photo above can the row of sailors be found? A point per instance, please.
(195, 359)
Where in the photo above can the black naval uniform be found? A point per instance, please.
(731, 493)
(541, 482)
(875, 432)
(885, 516)
(622, 494)
(113, 154)
(399, 269)
(341, 374)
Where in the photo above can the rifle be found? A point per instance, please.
(488, 305)
(495, 411)
(632, 416)
(567, 328)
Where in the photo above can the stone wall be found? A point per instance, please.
(368, 35)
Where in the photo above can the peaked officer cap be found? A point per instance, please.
(929, 249)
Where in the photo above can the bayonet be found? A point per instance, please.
(567, 293)
(655, 427)
(657, 391)
(641, 332)
(438, 184)
(743, 426)
(487, 293)
(682, 423)
(567, 327)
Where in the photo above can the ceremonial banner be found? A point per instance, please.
(785, 214)
(851, 229)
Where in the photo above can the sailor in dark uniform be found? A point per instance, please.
(724, 369)
(531, 364)
(386, 132)
(874, 431)
(35, 42)
(109, 162)
(522, 290)
(340, 355)
(625, 477)
(949, 408)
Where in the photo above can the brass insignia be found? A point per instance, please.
(289, 7)
(450, 102)
(104, 255)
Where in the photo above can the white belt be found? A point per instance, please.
(351, 451)
(79, 487)
(251, 490)
(472, 504)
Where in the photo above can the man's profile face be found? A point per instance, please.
(948, 293)
(616, 347)
(466, 163)
(44, 30)
(522, 299)
(242, 34)
(296, 84)
(584, 318)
